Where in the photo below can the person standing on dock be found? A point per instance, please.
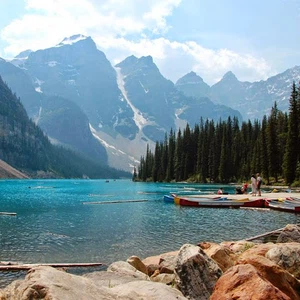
(253, 185)
(258, 183)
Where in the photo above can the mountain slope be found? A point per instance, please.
(76, 70)
(62, 120)
(7, 171)
(24, 146)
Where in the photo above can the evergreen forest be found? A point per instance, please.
(226, 151)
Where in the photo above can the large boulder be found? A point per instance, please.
(49, 283)
(291, 233)
(143, 290)
(109, 279)
(270, 271)
(244, 282)
(124, 268)
(195, 272)
(287, 256)
(222, 255)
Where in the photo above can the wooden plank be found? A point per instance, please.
(114, 202)
(24, 267)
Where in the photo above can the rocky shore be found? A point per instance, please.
(229, 270)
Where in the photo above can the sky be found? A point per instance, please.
(254, 39)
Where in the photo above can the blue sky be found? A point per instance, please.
(254, 39)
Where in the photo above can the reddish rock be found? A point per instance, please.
(223, 256)
(138, 264)
(244, 282)
(270, 271)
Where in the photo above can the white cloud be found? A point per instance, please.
(122, 28)
(175, 59)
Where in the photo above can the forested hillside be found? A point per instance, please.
(24, 146)
(228, 152)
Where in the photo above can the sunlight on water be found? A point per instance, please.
(53, 224)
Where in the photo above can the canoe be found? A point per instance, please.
(169, 198)
(219, 202)
(284, 205)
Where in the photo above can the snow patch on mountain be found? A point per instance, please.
(72, 40)
(138, 118)
(52, 63)
(146, 91)
(39, 90)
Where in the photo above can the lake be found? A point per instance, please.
(56, 223)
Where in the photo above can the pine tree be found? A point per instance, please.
(291, 153)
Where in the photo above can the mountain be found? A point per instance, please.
(74, 93)
(24, 146)
(252, 99)
(193, 86)
(76, 70)
(62, 120)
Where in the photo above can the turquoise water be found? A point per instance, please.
(54, 225)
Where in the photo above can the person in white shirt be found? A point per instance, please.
(258, 184)
(253, 185)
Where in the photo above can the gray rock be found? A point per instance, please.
(124, 268)
(287, 256)
(147, 290)
(49, 283)
(291, 233)
(109, 279)
(195, 273)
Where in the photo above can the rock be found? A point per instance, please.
(151, 269)
(270, 271)
(138, 264)
(244, 282)
(49, 283)
(291, 233)
(195, 272)
(259, 249)
(239, 246)
(155, 260)
(144, 290)
(164, 278)
(109, 279)
(222, 255)
(167, 262)
(287, 256)
(124, 268)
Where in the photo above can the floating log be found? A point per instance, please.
(25, 267)
(113, 202)
(265, 234)
(8, 213)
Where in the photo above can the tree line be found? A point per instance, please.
(227, 151)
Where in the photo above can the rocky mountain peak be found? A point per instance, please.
(73, 39)
(229, 76)
(190, 78)
(24, 54)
